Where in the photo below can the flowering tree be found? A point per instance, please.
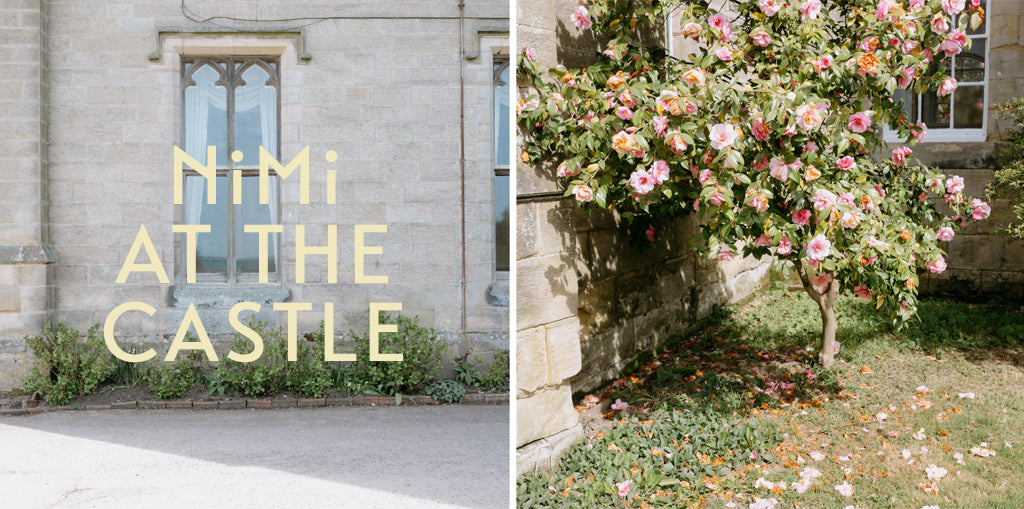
(769, 131)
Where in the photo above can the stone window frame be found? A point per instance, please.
(289, 48)
(955, 134)
(493, 43)
(232, 79)
(499, 63)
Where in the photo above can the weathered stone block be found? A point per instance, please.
(564, 355)
(547, 290)
(544, 414)
(531, 359)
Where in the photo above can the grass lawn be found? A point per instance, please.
(739, 416)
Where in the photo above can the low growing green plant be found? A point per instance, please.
(65, 366)
(172, 380)
(466, 372)
(496, 377)
(448, 391)
(421, 351)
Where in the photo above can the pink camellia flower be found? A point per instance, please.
(846, 198)
(850, 219)
(726, 254)
(689, 106)
(950, 47)
(758, 129)
(953, 198)
(862, 291)
(705, 175)
(945, 234)
(859, 122)
(724, 54)
(761, 164)
(722, 136)
(650, 233)
(660, 124)
(937, 265)
(952, 7)
(785, 246)
(801, 217)
(809, 116)
(641, 182)
(819, 248)
(916, 5)
(809, 10)
(899, 155)
(920, 131)
(659, 170)
(626, 98)
(757, 200)
(940, 24)
(565, 171)
(624, 487)
(907, 77)
(823, 62)
(676, 143)
(981, 210)
(810, 146)
(763, 241)
(580, 18)
(761, 38)
(954, 184)
(779, 169)
(694, 76)
(846, 163)
(719, 22)
(692, 30)
(821, 282)
(717, 199)
(823, 199)
(882, 11)
(583, 193)
(624, 113)
(528, 53)
(975, 3)
(770, 7)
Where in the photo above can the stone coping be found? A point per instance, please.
(240, 403)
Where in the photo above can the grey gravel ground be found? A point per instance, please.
(430, 456)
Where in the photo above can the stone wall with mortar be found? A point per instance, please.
(588, 301)
(93, 141)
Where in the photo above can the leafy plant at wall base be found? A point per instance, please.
(172, 379)
(466, 373)
(496, 376)
(127, 372)
(421, 351)
(66, 367)
(262, 376)
(1008, 180)
(448, 391)
(767, 130)
(310, 374)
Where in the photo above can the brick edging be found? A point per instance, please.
(234, 404)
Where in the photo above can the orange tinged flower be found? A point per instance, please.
(616, 81)
(811, 174)
(868, 62)
(867, 370)
(909, 284)
(905, 235)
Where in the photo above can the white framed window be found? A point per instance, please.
(233, 103)
(962, 115)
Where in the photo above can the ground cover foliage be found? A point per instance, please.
(914, 418)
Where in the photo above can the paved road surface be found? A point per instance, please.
(408, 457)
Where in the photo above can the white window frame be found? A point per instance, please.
(953, 134)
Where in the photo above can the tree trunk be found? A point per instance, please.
(826, 305)
(826, 355)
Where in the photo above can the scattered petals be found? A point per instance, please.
(845, 489)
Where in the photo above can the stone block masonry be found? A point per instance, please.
(92, 98)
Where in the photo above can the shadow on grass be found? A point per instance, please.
(763, 356)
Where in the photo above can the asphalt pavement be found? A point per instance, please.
(361, 457)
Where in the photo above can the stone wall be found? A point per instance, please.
(588, 301)
(383, 93)
(25, 255)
